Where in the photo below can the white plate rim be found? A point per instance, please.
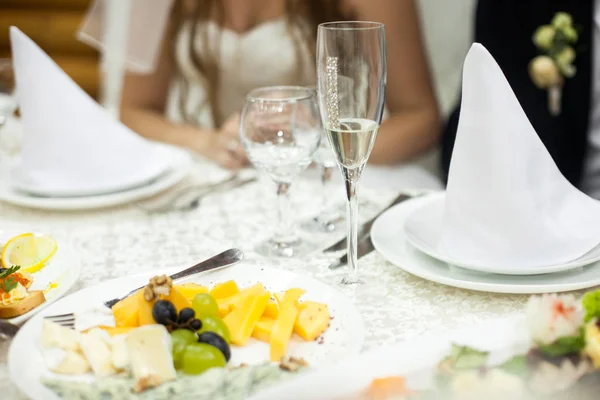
(407, 356)
(34, 389)
(181, 168)
(413, 266)
(64, 286)
(438, 254)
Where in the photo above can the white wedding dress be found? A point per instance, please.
(266, 56)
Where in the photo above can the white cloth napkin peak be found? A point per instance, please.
(506, 201)
(70, 145)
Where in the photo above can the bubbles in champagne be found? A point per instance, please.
(353, 141)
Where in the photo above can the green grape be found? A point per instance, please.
(216, 325)
(181, 339)
(199, 357)
(205, 305)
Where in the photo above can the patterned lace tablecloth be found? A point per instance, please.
(120, 241)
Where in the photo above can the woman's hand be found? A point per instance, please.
(223, 146)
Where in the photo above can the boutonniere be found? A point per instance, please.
(549, 70)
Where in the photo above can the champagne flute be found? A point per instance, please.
(281, 130)
(351, 64)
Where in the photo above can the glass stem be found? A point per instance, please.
(352, 177)
(285, 230)
(326, 174)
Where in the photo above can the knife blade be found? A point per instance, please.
(365, 246)
(365, 229)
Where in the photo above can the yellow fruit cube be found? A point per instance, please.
(190, 290)
(228, 304)
(312, 320)
(272, 310)
(263, 328)
(126, 311)
(225, 289)
(283, 328)
(303, 304)
(242, 320)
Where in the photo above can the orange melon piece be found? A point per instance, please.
(313, 319)
(263, 328)
(385, 388)
(243, 319)
(178, 299)
(126, 312)
(225, 289)
(145, 311)
(190, 290)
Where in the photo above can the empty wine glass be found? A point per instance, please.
(281, 130)
(351, 64)
(329, 219)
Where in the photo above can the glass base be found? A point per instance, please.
(296, 248)
(365, 285)
(325, 223)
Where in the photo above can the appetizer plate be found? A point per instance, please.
(343, 338)
(415, 360)
(390, 240)
(181, 162)
(55, 279)
(424, 226)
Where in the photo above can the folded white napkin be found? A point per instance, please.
(507, 202)
(70, 145)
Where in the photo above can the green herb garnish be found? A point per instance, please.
(517, 365)
(565, 345)
(7, 282)
(591, 305)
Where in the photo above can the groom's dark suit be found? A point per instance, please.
(505, 28)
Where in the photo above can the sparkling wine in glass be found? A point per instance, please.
(281, 130)
(351, 69)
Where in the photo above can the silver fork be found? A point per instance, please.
(222, 260)
(198, 192)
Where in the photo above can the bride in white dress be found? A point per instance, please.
(218, 50)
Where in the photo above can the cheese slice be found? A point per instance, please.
(54, 335)
(65, 362)
(98, 352)
(150, 352)
(120, 353)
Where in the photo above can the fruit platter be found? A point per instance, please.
(34, 272)
(235, 332)
(551, 353)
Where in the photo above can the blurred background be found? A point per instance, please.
(52, 25)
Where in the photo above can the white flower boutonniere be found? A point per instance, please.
(550, 69)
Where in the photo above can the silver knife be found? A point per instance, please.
(366, 228)
(365, 246)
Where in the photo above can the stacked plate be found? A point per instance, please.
(73, 155)
(408, 236)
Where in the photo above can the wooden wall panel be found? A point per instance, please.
(52, 24)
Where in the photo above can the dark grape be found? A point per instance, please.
(164, 312)
(186, 315)
(217, 341)
(196, 324)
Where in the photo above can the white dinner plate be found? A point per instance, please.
(62, 270)
(389, 239)
(181, 162)
(343, 338)
(415, 360)
(423, 229)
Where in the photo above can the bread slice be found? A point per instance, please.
(33, 299)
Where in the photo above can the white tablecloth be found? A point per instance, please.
(122, 241)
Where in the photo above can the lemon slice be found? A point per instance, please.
(31, 252)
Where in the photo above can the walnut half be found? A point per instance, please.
(158, 286)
